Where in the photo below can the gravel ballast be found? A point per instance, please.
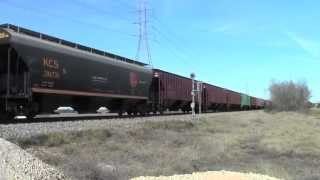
(24, 130)
(19, 165)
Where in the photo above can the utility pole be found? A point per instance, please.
(193, 91)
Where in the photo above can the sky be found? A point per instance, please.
(241, 45)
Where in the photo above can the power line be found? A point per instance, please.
(172, 33)
(173, 52)
(50, 14)
(169, 43)
(143, 23)
(40, 12)
(101, 10)
(174, 39)
(123, 3)
(177, 56)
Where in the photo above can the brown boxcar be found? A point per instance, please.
(254, 103)
(171, 91)
(233, 100)
(260, 103)
(268, 103)
(215, 98)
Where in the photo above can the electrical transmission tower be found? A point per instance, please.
(143, 41)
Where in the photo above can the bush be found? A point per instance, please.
(289, 96)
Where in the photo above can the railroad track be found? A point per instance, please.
(42, 125)
(79, 117)
(56, 124)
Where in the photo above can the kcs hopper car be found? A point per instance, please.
(40, 72)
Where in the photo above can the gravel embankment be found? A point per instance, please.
(32, 129)
(19, 165)
(218, 175)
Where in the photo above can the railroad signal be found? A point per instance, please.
(199, 90)
(192, 105)
(192, 75)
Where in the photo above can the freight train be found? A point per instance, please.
(39, 73)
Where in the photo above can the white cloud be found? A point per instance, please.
(310, 46)
(237, 28)
(275, 44)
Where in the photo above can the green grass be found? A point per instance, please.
(285, 145)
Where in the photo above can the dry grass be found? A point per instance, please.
(284, 145)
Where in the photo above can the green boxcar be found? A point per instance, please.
(245, 101)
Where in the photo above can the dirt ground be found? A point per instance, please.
(282, 145)
(211, 175)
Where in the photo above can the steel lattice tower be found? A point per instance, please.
(143, 38)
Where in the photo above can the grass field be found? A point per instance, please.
(284, 145)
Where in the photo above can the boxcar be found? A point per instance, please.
(260, 103)
(170, 91)
(214, 98)
(245, 102)
(268, 103)
(254, 103)
(233, 100)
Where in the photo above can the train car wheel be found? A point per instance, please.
(6, 117)
(31, 115)
(129, 112)
(33, 111)
(2, 118)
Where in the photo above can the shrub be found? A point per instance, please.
(289, 96)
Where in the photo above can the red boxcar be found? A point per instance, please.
(214, 97)
(234, 99)
(174, 91)
(260, 103)
(254, 103)
(267, 103)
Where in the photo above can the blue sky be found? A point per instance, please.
(241, 45)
